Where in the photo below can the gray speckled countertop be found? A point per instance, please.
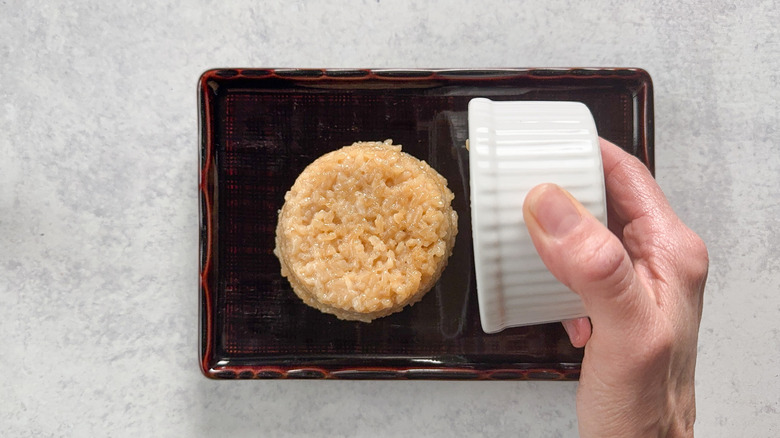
(99, 211)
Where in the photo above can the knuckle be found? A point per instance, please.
(695, 257)
(633, 164)
(630, 164)
(601, 260)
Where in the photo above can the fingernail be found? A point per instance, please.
(554, 211)
(579, 331)
(572, 330)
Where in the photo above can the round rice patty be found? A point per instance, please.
(365, 230)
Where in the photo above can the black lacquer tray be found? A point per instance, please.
(260, 128)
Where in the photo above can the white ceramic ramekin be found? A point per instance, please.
(514, 146)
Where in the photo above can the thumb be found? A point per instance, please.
(585, 256)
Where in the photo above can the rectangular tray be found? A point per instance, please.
(260, 128)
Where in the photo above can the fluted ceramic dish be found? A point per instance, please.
(516, 146)
(259, 128)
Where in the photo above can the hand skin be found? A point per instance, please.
(641, 282)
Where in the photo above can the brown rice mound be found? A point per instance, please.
(365, 231)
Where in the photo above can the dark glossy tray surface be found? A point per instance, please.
(260, 128)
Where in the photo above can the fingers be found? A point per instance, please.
(642, 218)
(585, 256)
(578, 331)
(632, 192)
(604, 268)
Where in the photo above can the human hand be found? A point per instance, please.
(642, 285)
